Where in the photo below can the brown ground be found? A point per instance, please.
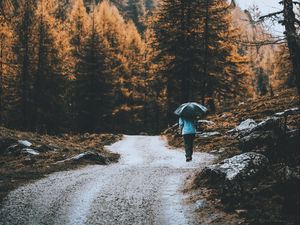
(18, 169)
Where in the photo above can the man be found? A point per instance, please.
(188, 131)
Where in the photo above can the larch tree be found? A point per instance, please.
(176, 26)
(223, 67)
(50, 73)
(24, 23)
(8, 80)
(155, 82)
(200, 61)
(92, 85)
(124, 56)
(78, 23)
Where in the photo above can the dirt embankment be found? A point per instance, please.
(270, 196)
(26, 156)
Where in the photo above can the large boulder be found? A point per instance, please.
(245, 125)
(88, 156)
(262, 141)
(239, 167)
(270, 137)
(231, 174)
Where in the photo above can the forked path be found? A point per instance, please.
(143, 188)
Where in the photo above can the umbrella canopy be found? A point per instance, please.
(190, 110)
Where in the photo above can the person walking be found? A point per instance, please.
(188, 131)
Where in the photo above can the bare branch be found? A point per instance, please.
(261, 43)
(271, 15)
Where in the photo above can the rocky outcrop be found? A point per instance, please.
(270, 137)
(232, 174)
(237, 168)
(244, 126)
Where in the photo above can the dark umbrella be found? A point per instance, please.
(190, 110)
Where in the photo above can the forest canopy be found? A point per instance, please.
(124, 66)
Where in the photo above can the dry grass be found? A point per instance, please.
(19, 169)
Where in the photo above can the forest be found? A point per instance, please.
(124, 66)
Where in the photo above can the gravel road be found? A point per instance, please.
(143, 188)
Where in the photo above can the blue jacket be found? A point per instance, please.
(187, 126)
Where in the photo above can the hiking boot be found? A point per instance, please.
(189, 158)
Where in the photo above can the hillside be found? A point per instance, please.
(271, 196)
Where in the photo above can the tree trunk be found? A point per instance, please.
(205, 65)
(291, 36)
(1, 80)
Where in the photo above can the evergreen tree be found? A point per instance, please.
(177, 31)
(24, 21)
(92, 85)
(51, 45)
(200, 60)
(8, 80)
(78, 23)
(124, 59)
(155, 87)
(224, 67)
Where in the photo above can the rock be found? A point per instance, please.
(292, 111)
(271, 123)
(30, 151)
(200, 204)
(214, 151)
(208, 134)
(24, 143)
(232, 174)
(221, 150)
(257, 140)
(241, 211)
(239, 167)
(206, 122)
(87, 156)
(245, 125)
(287, 173)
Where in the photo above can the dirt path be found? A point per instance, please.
(143, 188)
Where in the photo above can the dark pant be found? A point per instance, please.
(188, 144)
